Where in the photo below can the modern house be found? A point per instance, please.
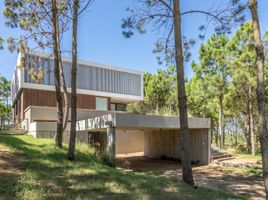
(102, 95)
(99, 87)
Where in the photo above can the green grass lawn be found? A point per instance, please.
(35, 169)
(243, 155)
(252, 170)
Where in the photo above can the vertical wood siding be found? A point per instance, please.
(32, 97)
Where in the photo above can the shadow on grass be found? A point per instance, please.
(46, 174)
(234, 180)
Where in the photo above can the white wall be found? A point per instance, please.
(37, 113)
(129, 141)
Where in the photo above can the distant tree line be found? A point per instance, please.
(223, 87)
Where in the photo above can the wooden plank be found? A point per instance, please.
(33, 97)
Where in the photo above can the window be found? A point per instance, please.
(101, 103)
(121, 107)
(118, 107)
(113, 107)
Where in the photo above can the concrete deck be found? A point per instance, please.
(126, 120)
(161, 134)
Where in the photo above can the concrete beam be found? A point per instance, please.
(96, 123)
(126, 120)
(162, 122)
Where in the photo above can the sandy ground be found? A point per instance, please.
(211, 176)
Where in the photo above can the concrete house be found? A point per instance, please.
(103, 93)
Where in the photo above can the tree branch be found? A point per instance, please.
(203, 12)
(167, 6)
(85, 7)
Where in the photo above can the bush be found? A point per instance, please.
(104, 158)
(136, 108)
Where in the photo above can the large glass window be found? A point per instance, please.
(121, 107)
(101, 103)
(118, 107)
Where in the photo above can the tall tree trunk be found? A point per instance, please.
(184, 130)
(72, 139)
(232, 132)
(253, 5)
(211, 131)
(251, 126)
(217, 136)
(7, 111)
(247, 136)
(248, 128)
(223, 134)
(236, 128)
(65, 94)
(55, 29)
(220, 121)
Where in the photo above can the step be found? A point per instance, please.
(233, 164)
(224, 159)
(220, 156)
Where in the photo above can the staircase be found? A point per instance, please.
(222, 158)
(220, 155)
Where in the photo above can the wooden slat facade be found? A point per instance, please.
(33, 97)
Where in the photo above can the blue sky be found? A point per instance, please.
(100, 38)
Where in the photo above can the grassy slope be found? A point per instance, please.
(40, 171)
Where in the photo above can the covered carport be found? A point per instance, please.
(157, 136)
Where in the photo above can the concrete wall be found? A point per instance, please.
(129, 141)
(155, 144)
(38, 113)
(44, 129)
(129, 121)
(49, 114)
(48, 130)
(167, 143)
(126, 141)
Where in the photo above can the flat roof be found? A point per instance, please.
(130, 121)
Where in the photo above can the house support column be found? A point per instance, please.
(111, 145)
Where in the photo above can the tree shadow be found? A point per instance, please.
(45, 172)
(237, 183)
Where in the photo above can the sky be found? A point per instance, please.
(100, 36)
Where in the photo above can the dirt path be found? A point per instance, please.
(211, 176)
